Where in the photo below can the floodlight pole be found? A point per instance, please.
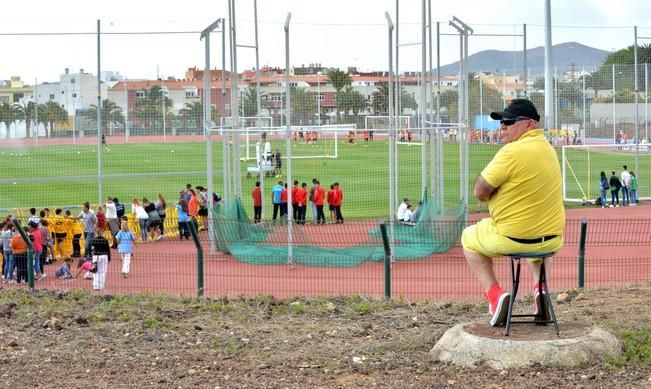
(100, 195)
(392, 140)
(637, 113)
(423, 97)
(549, 97)
(439, 136)
(207, 96)
(288, 143)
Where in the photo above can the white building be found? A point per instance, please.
(73, 90)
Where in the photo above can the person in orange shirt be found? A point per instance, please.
(338, 199)
(319, 196)
(193, 208)
(301, 204)
(19, 248)
(256, 193)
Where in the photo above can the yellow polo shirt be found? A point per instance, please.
(528, 202)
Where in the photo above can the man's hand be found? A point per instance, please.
(483, 190)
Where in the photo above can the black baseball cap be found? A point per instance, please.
(517, 108)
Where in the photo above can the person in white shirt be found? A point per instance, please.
(142, 217)
(112, 219)
(626, 185)
(400, 215)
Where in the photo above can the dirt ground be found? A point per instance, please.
(78, 340)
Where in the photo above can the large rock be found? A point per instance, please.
(580, 346)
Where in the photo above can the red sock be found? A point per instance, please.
(494, 292)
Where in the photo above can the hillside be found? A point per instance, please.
(564, 55)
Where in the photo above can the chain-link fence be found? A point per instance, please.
(152, 134)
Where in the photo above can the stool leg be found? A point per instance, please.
(515, 280)
(547, 298)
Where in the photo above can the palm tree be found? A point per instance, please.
(303, 106)
(352, 100)
(380, 99)
(191, 115)
(6, 115)
(25, 112)
(111, 115)
(54, 113)
(148, 111)
(249, 101)
(339, 81)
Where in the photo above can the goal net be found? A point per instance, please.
(582, 166)
(307, 141)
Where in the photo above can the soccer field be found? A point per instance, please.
(66, 176)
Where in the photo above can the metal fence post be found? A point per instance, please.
(30, 253)
(584, 230)
(197, 243)
(387, 260)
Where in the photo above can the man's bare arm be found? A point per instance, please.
(483, 190)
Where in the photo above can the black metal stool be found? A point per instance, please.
(545, 303)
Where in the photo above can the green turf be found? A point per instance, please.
(66, 175)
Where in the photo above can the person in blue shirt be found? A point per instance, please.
(125, 240)
(184, 227)
(276, 192)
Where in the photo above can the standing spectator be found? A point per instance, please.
(6, 233)
(186, 192)
(283, 202)
(101, 257)
(119, 208)
(301, 203)
(603, 188)
(153, 220)
(319, 196)
(256, 193)
(161, 207)
(276, 192)
(193, 209)
(615, 184)
(203, 206)
(311, 198)
(294, 204)
(60, 233)
(182, 218)
(279, 163)
(125, 240)
(19, 248)
(35, 236)
(112, 219)
(339, 198)
(142, 217)
(46, 222)
(330, 199)
(32, 217)
(76, 231)
(45, 241)
(633, 190)
(90, 224)
(101, 219)
(626, 184)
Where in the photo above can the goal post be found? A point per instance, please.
(309, 141)
(581, 167)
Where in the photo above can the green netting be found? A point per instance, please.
(436, 231)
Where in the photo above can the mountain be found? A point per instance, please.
(564, 56)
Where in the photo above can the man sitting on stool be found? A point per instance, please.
(522, 185)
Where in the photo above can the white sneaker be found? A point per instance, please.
(611, 206)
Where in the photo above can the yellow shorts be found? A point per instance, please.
(483, 238)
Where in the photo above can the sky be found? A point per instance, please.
(334, 33)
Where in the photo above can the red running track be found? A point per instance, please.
(169, 267)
